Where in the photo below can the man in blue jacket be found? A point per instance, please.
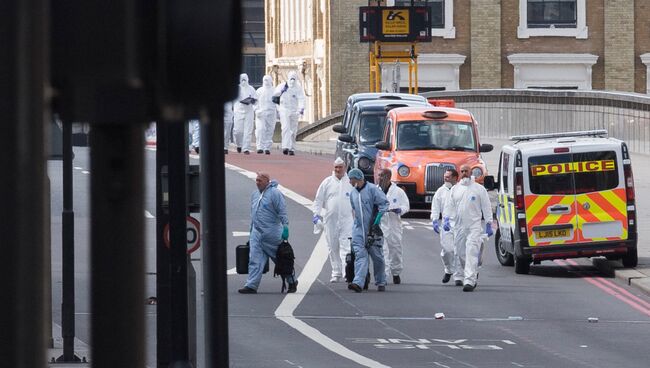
(369, 204)
(269, 227)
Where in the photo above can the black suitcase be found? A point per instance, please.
(241, 259)
(349, 270)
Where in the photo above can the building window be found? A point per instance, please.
(563, 18)
(552, 13)
(254, 66)
(442, 15)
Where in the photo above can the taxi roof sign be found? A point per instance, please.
(584, 133)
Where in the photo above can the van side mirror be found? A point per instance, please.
(485, 147)
(384, 146)
(489, 183)
(346, 138)
(339, 128)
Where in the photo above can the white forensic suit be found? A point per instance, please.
(332, 202)
(467, 204)
(448, 253)
(391, 226)
(244, 113)
(292, 105)
(194, 131)
(228, 121)
(265, 112)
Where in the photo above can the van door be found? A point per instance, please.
(506, 205)
(600, 196)
(551, 213)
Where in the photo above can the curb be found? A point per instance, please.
(631, 276)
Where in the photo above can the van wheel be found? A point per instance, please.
(505, 258)
(522, 265)
(631, 259)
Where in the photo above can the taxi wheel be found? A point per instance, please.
(631, 259)
(505, 258)
(522, 265)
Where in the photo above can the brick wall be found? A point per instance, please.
(642, 43)
(619, 45)
(348, 58)
(485, 43)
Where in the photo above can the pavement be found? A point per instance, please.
(638, 276)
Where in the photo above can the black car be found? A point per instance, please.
(359, 97)
(365, 128)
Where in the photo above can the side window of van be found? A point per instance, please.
(505, 161)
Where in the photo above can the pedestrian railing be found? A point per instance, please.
(502, 113)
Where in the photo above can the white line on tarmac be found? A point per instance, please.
(77, 168)
(232, 271)
(241, 233)
(148, 214)
(312, 269)
(85, 172)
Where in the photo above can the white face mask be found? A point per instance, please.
(447, 184)
(464, 181)
(291, 83)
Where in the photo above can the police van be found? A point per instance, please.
(565, 195)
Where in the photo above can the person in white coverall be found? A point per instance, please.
(194, 131)
(244, 111)
(467, 204)
(292, 106)
(228, 121)
(265, 112)
(447, 253)
(333, 198)
(391, 225)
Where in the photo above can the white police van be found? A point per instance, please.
(565, 195)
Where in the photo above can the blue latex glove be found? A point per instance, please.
(488, 229)
(445, 224)
(378, 218)
(285, 232)
(285, 88)
(396, 210)
(316, 218)
(302, 111)
(436, 226)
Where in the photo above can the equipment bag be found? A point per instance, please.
(349, 270)
(284, 259)
(242, 254)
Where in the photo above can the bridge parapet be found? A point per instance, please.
(502, 113)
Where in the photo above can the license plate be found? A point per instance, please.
(428, 198)
(560, 233)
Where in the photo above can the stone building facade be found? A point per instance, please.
(557, 44)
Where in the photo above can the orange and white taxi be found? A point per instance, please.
(565, 195)
(420, 143)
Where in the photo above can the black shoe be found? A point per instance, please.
(225, 152)
(285, 151)
(293, 287)
(446, 278)
(238, 149)
(247, 290)
(397, 280)
(469, 287)
(458, 283)
(381, 288)
(260, 151)
(247, 152)
(267, 152)
(291, 153)
(355, 287)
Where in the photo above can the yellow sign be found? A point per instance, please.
(573, 167)
(395, 21)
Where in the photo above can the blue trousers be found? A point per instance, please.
(361, 263)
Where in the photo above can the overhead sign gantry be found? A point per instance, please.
(394, 33)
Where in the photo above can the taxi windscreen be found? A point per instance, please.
(371, 128)
(435, 135)
(574, 173)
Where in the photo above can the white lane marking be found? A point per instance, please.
(441, 365)
(516, 364)
(241, 233)
(407, 227)
(85, 172)
(77, 168)
(312, 269)
(150, 148)
(148, 214)
(232, 271)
